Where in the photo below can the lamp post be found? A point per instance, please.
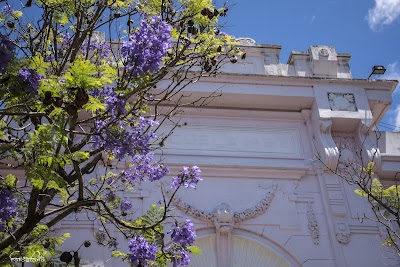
(377, 70)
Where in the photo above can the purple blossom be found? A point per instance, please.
(115, 103)
(141, 251)
(102, 49)
(113, 243)
(179, 256)
(125, 205)
(6, 52)
(64, 42)
(50, 57)
(189, 176)
(123, 140)
(143, 166)
(30, 79)
(145, 49)
(157, 171)
(8, 207)
(100, 236)
(7, 10)
(183, 234)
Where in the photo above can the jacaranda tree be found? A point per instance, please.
(73, 102)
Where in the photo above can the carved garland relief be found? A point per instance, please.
(260, 208)
(312, 224)
(224, 219)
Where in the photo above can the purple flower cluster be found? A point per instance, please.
(64, 42)
(30, 79)
(143, 166)
(8, 207)
(7, 10)
(183, 234)
(115, 103)
(122, 140)
(125, 205)
(113, 243)
(141, 251)
(146, 47)
(179, 256)
(6, 52)
(102, 49)
(189, 176)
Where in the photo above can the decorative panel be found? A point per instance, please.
(236, 142)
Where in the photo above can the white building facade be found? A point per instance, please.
(265, 199)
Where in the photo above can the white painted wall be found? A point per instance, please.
(255, 146)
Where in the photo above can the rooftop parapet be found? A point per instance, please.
(319, 61)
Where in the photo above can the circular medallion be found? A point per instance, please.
(323, 52)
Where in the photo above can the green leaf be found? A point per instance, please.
(94, 105)
(16, 14)
(194, 249)
(45, 160)
(59, 240)
(37, 182)
(360, 193)
(80, 156)
(61, 18)
(10, 180)
(81, 73)
(37, 63)
(39, 230)
(118, 254)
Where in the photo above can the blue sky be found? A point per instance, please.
(369, 30)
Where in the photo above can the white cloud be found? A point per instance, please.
(385, 12)
(393, 73)
(396, 118)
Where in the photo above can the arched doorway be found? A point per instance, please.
(245, 252)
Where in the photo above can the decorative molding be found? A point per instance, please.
(260, 208)
(342, 232)
(342, 102)
(323, 52)
(347, 149)
(224, 224)
(343, 238)
(245, 41)
(370, 152)
(192, 211)
(326, 148)
(233, 141)
(224, 218)
(312, 224)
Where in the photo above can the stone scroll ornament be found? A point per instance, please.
(260, 208)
